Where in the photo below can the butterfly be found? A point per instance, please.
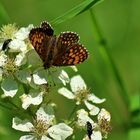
(61, 50)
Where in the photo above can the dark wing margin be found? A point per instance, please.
(73, 55)
(47, 28)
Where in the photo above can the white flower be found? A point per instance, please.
(33, 98)
(99, 130)
(23, 32)
(83, 121)
(104, 114)
(18, 41)
(10, 66)
(83, 118)
(104, 119)
(81, 94)
(17, 45)
(42, 128)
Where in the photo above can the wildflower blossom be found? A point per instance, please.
(81, 94)
(42, 128)
(83, 118)
(34, 98)
(99, 129)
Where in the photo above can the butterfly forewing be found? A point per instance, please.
(73, 55)
(66, 39)
(39, 41)
(47, 28)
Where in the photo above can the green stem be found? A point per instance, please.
(4, 106)
(105, 52)
(13, 104)
(71, 114)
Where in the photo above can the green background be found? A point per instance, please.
(119, 24)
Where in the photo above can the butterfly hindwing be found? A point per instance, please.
(73, 55)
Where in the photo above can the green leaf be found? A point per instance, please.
(4, 18)
(82, 7)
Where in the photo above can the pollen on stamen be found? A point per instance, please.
(40, 127)
(10, 67)
(82, 94)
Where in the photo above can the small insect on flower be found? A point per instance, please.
(62, 50)
(89, 129)
(5, 44)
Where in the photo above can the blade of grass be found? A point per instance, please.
(82, 7)
(4, 17)
(105, 52)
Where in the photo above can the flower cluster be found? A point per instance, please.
(23, 77)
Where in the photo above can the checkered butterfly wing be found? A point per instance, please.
(39, 40)
(47, 28)
(70, 52)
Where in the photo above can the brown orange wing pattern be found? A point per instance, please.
(73, 55)
(39, 41)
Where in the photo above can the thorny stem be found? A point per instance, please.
(104, 48)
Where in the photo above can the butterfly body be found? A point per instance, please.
(62, 50)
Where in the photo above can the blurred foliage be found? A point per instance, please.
(119, 24)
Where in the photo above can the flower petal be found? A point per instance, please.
(22, 125)
(63, 76)
(40, 77)
(95, 99)
(93, 109)
(28, 137)
(33, 97)
(45, 138)
(74, 68)
(9, 87)
(42, 115)
(83, 118)
(23, 32)
(77, 83)
(17, 46)
(65, 92)
(96, 135)
(20, 59)
(104, 114)
(60, 131)
(3, 58)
